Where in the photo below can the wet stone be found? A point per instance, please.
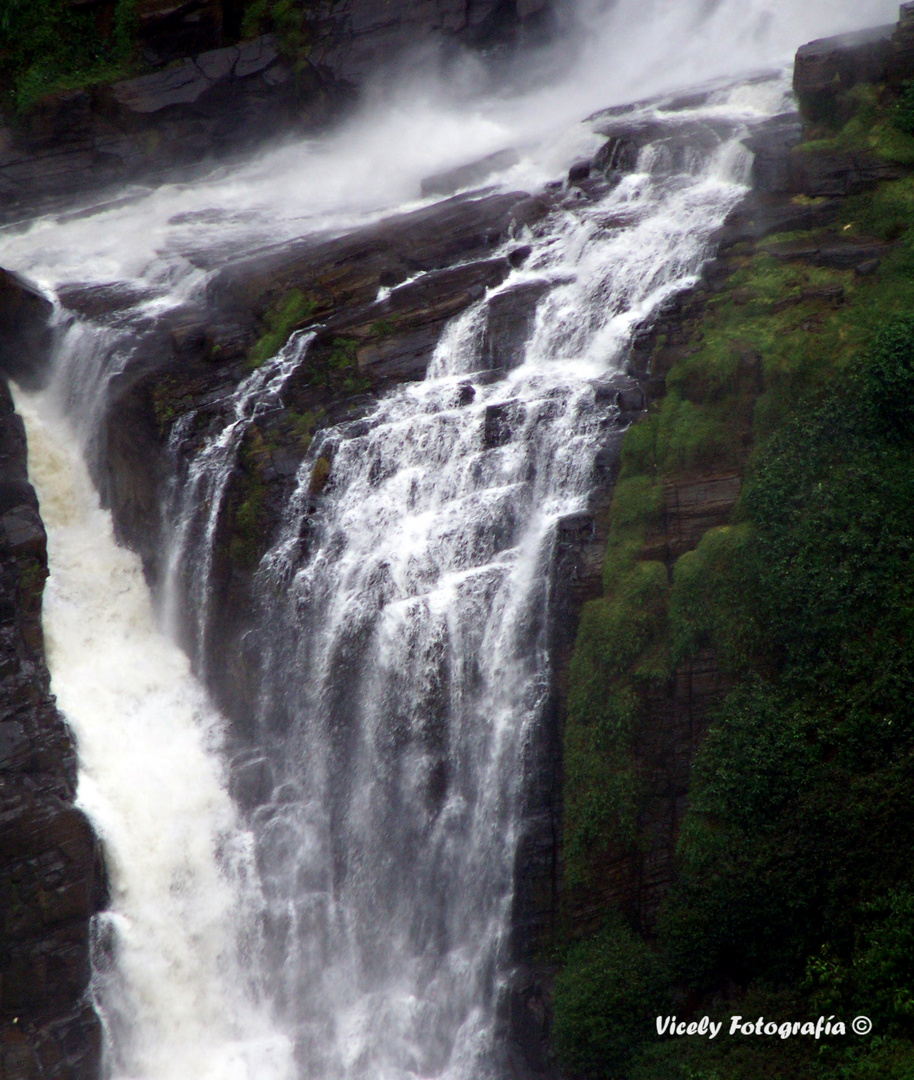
(251, 783)
(501, 421)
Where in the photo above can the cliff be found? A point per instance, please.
(104, 93)
(726, 751)
(51, 875)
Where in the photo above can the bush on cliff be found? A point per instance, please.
(796, 888)
(904, 110)
(800, 807)
(606, 998)
(48, 45)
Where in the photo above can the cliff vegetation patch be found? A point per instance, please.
(793, 886)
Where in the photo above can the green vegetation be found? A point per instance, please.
(48, 45)
(864, 118)
(288, 313)
(248, 514)
(612, 987)
(288, 19)
(320, 475)
(794, 893)
(904, 111)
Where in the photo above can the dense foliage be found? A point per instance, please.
(904, 111)
(611, 988)
(795, 866)
(801, 804)
(795, 887)
(46, 45)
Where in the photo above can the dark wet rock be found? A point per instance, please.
(579, 171)
(672, 140)
(528, 212)
(466, 394)
(618, 155)
(759, 216)
(25, 332)
(502, 422)
(771, 144)
(252, 783)
(519, 255)
(900, 66)
(826, 68)
(475, 174)
(830, 251)
(524, 1017)
(819, 175)
(416, 315)
(101, 302)
(511, 314)
(52, 878)
(168, 29)
(623, 391)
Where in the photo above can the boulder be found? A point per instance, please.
(826, 68)
(25, 332)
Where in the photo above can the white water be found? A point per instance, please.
(419, 125)
(384, 888)
(404, 661)
(183, 895)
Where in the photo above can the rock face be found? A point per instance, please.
(380, 296)
(208, 98)
(51, 873)
(216, 104)
(826, 69)
(25, 334)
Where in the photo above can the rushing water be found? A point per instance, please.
(357, 924)
(180, 1002)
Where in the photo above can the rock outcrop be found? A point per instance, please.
(825, 70)
(208, 96)
(25, 333)
(52, 878)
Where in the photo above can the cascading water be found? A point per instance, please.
(406, 667)
(362, 914)
(179, 1002)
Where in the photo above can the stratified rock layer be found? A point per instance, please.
(210, 97)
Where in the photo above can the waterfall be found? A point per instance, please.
(353, 921)
(171, 978)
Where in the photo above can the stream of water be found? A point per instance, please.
(356, 926)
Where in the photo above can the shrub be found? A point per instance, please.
(904, 110)
(49, 45)
(606, 999)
